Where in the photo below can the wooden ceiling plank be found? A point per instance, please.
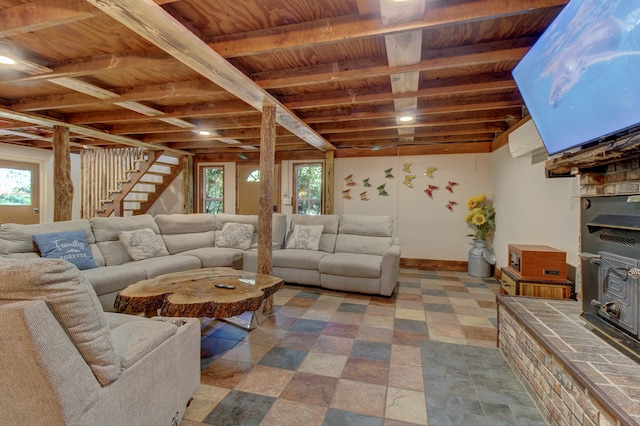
(453, 86)
(295, 36)
(42, 14)
(495, 52)
(81, 130)
(152, 92)
(206, 109)
(161, 29)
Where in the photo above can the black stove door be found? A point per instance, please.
(618, 292)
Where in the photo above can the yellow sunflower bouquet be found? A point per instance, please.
(481, 217)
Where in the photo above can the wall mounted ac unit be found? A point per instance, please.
(525, 140)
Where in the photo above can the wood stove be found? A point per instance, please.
(610, 243)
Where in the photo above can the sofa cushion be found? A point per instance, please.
(212, 257)
(235, 235)
(155, 266)
(364, 234)
(109, 279)
(297, 258)
(72, 300)
(142, 244)
(305, 237)
(18, 238)
(182, 232)
(351, 265)
(134, 339)
(330, 223)
(71, 246)
(278, 225)
(106, 230)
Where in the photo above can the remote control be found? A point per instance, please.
(225, 286)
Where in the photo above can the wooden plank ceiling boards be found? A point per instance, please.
(192, 76)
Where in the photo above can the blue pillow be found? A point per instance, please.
(70, 246)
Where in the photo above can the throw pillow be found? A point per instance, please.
(74, 303)
(70, 246)
(143, 244)
(305, 237)
(236, 235)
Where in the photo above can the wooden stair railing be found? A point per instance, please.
(112, 178)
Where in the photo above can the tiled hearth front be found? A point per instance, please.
(574, 377)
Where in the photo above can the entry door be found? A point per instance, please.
(248, 184)
(19, 192)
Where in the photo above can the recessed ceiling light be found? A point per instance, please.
(6, 60)
(204, 133)
(406, 118)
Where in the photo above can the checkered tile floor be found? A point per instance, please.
(425, 356)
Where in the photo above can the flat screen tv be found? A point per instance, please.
(581, 79)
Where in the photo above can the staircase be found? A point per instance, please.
(124, 181)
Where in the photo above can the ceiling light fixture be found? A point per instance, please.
(406, 118)
(204, 133)
(6, 60)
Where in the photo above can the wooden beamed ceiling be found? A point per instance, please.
(340, 73)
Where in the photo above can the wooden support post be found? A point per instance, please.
(265, 205)
(187, 173)
(328, 182)
(62, 185)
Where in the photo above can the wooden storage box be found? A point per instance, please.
(515, 285)
(538, 262)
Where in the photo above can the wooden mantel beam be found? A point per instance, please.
(161, 29)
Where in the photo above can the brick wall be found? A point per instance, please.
(619, 178)
(559, 398)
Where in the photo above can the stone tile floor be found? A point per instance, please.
(425, 356)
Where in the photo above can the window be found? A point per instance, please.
(15, 187)
(308, 188)
(213, 189)
(254, 176)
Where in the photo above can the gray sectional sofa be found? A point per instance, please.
(354, 252)
(191, 240)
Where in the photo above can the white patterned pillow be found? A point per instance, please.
(143, 244)
(236, 235)
(305, 237)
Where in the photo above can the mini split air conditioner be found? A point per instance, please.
(525, 140)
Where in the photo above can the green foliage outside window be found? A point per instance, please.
(15, 187)
(213, 190)
(308, 188)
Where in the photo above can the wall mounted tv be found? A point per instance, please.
(581, 79)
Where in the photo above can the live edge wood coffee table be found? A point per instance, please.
(209, 292)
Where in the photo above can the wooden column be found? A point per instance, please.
(187, 173)
(265, 205)
(62, 185)
(328, 182)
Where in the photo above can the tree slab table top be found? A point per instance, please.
(195, 294)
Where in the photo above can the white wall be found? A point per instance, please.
(533, 209)
(45, 158)
(425, 227)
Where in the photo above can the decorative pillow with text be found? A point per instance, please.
(305, 237)
(71, 246)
